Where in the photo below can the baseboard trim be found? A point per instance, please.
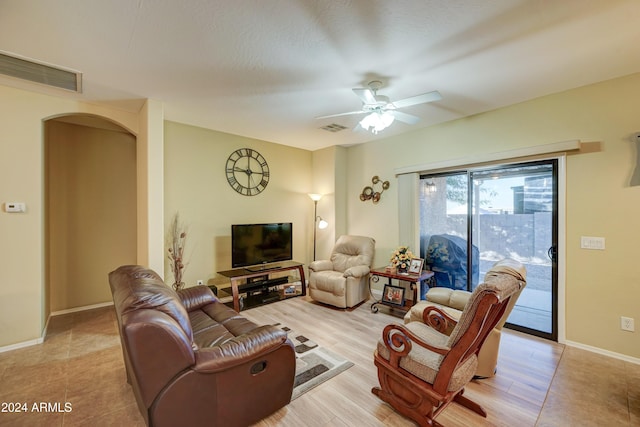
(46, 326)
(21, 345)
(603, 352)
(83, 308)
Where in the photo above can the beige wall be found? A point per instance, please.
(329, 167)
(91, 221)
(324, 182)
(601, 286)
(196, 187)
(22, 298)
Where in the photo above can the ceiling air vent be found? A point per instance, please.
(40, 73)
(333, 127)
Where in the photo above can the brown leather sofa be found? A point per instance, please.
(193, 361)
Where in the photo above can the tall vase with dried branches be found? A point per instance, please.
(177, 241)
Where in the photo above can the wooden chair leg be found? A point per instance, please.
(468, 403)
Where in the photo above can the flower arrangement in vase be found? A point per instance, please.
(401, 258)
(177, 241)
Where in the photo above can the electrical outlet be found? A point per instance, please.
(200, 282)
(627, 324)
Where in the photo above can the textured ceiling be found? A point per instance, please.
(265, 68)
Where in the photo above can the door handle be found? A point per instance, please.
(552, 253)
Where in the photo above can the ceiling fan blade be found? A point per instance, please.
(419, 99)
(366, 95)
(341, 114)
(404, 117)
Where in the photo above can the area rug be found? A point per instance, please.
(314, 364)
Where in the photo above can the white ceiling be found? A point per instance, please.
(265, 68)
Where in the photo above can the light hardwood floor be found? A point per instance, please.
(539, 383)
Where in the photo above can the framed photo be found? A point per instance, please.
(416, 266)
(393, 295)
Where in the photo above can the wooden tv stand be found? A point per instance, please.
(238, 275)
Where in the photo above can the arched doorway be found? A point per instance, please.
(90, 205)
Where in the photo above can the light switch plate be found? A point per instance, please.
(587, 242)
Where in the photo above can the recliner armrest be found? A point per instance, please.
(451, 298)
(245, 347)
(196, 297)
(321, 265)
(357, 271)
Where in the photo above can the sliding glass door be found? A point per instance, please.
(472, 218)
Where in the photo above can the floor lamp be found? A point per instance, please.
(318, 222)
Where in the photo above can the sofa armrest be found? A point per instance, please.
(241, 349)
(196, 297)
(357, 271)
(321, 265)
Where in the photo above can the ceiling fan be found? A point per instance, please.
(381, 111)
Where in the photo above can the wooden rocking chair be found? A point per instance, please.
(421, 370)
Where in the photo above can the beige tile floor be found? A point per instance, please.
(80, 365)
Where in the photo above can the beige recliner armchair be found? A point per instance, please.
(452, 303)
(343, 280)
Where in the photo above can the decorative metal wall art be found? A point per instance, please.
(368, 192)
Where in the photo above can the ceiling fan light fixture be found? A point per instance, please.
(377, 121)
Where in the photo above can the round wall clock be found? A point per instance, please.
(247, 172)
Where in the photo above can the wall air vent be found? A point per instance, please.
(14, 66)
(333, 127)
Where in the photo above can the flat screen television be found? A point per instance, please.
(258, 244)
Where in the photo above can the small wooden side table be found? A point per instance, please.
(415, 281)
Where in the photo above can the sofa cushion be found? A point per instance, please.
(214, 324)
